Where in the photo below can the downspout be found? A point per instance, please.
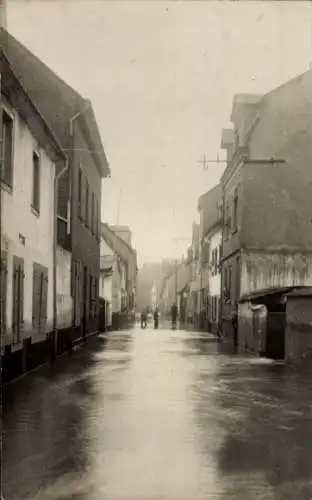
(56, 197)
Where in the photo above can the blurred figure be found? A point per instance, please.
(143, 319)
(174, 315)
(156, 318)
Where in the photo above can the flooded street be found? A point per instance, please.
(160, 415)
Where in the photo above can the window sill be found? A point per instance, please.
(6, 187)
(35, 212)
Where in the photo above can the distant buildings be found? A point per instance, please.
(210, 210)
(118, 272)
(250, 268)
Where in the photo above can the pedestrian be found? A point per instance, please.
(235, 329)
(174, 315)
(143, 319)
(156, 318)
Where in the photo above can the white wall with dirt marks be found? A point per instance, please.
(64, 300)
(27, 234)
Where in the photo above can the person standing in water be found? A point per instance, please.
(156, 318)
(143, 319)
(174, 315)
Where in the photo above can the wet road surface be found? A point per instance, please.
(159, 415)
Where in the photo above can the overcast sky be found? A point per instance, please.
(161, 77)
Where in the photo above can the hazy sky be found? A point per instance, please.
(161, 77)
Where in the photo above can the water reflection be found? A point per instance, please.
(158, 415)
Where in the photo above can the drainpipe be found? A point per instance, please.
(56, 193)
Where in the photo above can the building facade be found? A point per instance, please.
(210, 210)
(71, 119)
(31, 158)
(123, 262)
(267, 238)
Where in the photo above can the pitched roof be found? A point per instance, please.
(63, 102)
(285, 116)
(125, 251)
(18, 97)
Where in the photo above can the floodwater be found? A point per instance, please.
(159, 415)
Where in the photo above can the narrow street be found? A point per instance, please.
(159, 415)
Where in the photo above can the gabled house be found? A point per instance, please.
(124, 272)
(31, 158)
(210, 212)
(71, 119)
(267, 192)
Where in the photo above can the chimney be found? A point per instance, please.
(3, 14)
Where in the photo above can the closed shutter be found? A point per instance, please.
(98, 216)
(90, 296)
(17, 298)
(21, 277)
(36, 300)
(44, 301)
(83, 197)
(4, 285)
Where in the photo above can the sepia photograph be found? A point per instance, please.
(156, 250)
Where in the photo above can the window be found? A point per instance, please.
(90, 297)
(17, 298)
(93, 214)
(219, 258)
(4, 290)
(212, 262)
(229, 294)
(227, 283)
(216, 261)
(7, 150)
(40, 298)
(98, 220)
(235, 206)
(80, 193)
(227, 220)
(87, 204)
(35, 201)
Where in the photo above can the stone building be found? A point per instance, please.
(267, 192)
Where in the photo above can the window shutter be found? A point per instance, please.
(44, 301)
(36, 300)
(83, 197)
(4, 285)
(98, 229)
(14, 305)
(17, 297)
(21, 277)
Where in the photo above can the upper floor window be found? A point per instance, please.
(80, 193)
(7, 149)
(93, 209)
(235, 209)
(35, 201)
(87, 203)
(227, 283)
(227, 220)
